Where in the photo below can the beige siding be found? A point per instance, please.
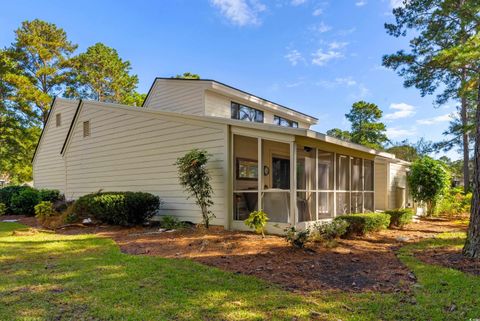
(177, 96)
(135, 151)
(220, 106)
(381, 194)
(48, 165)
(397, 179)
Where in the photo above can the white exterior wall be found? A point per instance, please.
(381, 191)
(136, 151)
(48, 165)
(220, 106)
(177, 96)
(397, 178)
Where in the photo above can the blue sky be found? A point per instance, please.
(317, 56)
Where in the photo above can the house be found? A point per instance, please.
(264, 155)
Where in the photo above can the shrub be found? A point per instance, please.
(6, 195)
(361, 224)
(25, 201)
(257, 220)
(171, 223)
(3, 209)
(331, 230)
(118, 208)
(44, 209)
(454, 202)
(296, 238)
(400, 217)
(50, 195)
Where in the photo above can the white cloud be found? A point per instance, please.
(396, 3)
(361, 3)
(435, 120)
(321, 28)
(297, 2)
(339, 81)
(337, 45)
(317, 12)
(402, 110)
(240, 12)
(321, 57)
(348, 81)
(346, 32)
(294, 56)
(397, 132)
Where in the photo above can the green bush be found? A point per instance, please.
(454, 202)
(257, 220)
(118, 208)
(400, 217)
(296, 238)
(44, 209)
(361, 224)
(24, 202)
(7, 193)
(50, 195)
(3, 209)
(331, 230)
(171, 223)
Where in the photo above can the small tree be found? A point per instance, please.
(428, 181)
(195, 179)
(257, 220)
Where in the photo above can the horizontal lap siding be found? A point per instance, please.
(49, 166)
(398, 178)
(177, 96)
(137, 152)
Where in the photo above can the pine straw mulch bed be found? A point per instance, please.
(361, 264)
(450, 257)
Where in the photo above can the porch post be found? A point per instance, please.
(293, 184)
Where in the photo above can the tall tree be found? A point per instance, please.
(438, 25)
(100, 74)
(367, 129)
(187, 75)
(340, 134)
(39, 52)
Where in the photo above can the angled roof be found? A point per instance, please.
(217, 85)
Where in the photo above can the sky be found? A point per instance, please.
(316, 56)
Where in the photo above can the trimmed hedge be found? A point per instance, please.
(361, 224)
(22, 199)
(118, 208)
(400, 217)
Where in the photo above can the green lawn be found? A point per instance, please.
(55, 277)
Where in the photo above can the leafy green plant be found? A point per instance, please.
(297, 238)
(361, 224)
(3, 209)
(7, 193)
(24, 202)
(428, 181)
(400, 217)
(195, 179)
(118, 208)
(331, 230)
(51, 195)
(454, 202)
(170, 222)
(44, 209)
(257, 220)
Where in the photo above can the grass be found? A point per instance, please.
(56, 277)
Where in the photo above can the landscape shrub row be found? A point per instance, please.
(118, 208)
(361, 224)
(400, 217)
(22, 199)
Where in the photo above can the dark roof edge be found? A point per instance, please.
(43, 129)
(228, 86)
(71, 126)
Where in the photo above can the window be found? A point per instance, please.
(58, 120)
(280, 121)
(242, 112)
(86, 128)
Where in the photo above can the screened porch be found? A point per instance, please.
(295, 182)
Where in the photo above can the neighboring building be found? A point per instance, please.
(263, 156)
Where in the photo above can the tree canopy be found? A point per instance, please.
(187, 75)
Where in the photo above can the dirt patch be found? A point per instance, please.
(450, 257)
(361, 264)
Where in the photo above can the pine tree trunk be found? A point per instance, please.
(466, 151)
(472, 244)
